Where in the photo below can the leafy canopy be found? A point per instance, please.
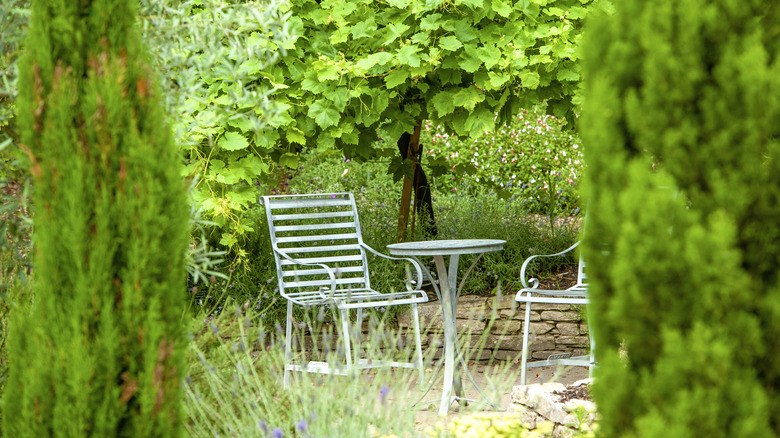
(357, 66)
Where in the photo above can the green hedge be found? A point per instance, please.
(683, 241)
(101, 350)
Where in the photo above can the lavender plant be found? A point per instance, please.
(234, 387)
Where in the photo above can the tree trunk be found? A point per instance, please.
(409, 147)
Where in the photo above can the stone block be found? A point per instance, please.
(471, 355)
(472, 326)
(472, 307)
(540, 328)
(430, 316)
(539, 397)
(503, 326)
(545, 354)
(555, 315)
(505, 342)
(553, 306)
(503, 302)
(583, 340)
(520, 315)
(566, 340)
(568, 328)
(513, 355)
(544, 342)
(434, 340)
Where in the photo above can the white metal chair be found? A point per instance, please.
(321, 261)
(576, 294)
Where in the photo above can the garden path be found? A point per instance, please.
(496, 381)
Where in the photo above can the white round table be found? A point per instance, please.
(448, 294)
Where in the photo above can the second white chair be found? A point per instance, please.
(531, 294)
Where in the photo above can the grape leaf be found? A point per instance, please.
(502, 8)
(396, 77)
(489, 54)
(469, 97)
(450, 43)
(295, 135)
(365, 29)
(444, 103)
(497, 79)
(479, 122)
(529, 79)
(324, 112)
(400, 4)
(469, 61)
(232, 141)
(289, 160)
(408, 55)
(430, 22)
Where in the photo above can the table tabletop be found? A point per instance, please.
(445, 247)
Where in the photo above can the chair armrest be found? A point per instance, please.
(535, 281)
(327, 268)
(412, 261)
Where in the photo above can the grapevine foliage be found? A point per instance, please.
(259, 82)
(357, 66)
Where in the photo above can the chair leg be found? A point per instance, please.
(526, 329)
(288, 345)
(418, 345)
(592, 364)
(345, 336)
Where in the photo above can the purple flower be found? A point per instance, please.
(277, 433)
(383, 391)
(301, 425)
(215, 329)
(264, 426)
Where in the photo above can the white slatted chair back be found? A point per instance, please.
(317, 230)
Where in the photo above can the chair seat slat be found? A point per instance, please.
(279, 204)
(325, 260)
(303, 216)
(316, 238)
(308, 272)
(329, 248)
(325, 282)
(314, 227)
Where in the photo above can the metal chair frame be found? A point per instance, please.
(335, 274)
(577, 294)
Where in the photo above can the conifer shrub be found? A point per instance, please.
(683, 241)
(100, 352)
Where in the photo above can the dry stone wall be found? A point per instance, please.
(492, 328)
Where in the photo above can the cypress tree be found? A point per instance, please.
(680, 124)
(100, 352)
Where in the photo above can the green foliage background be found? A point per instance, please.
(533, 158)
(100, 351)
(682, 241)
(346, 70)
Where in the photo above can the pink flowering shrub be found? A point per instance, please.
(534, 158)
